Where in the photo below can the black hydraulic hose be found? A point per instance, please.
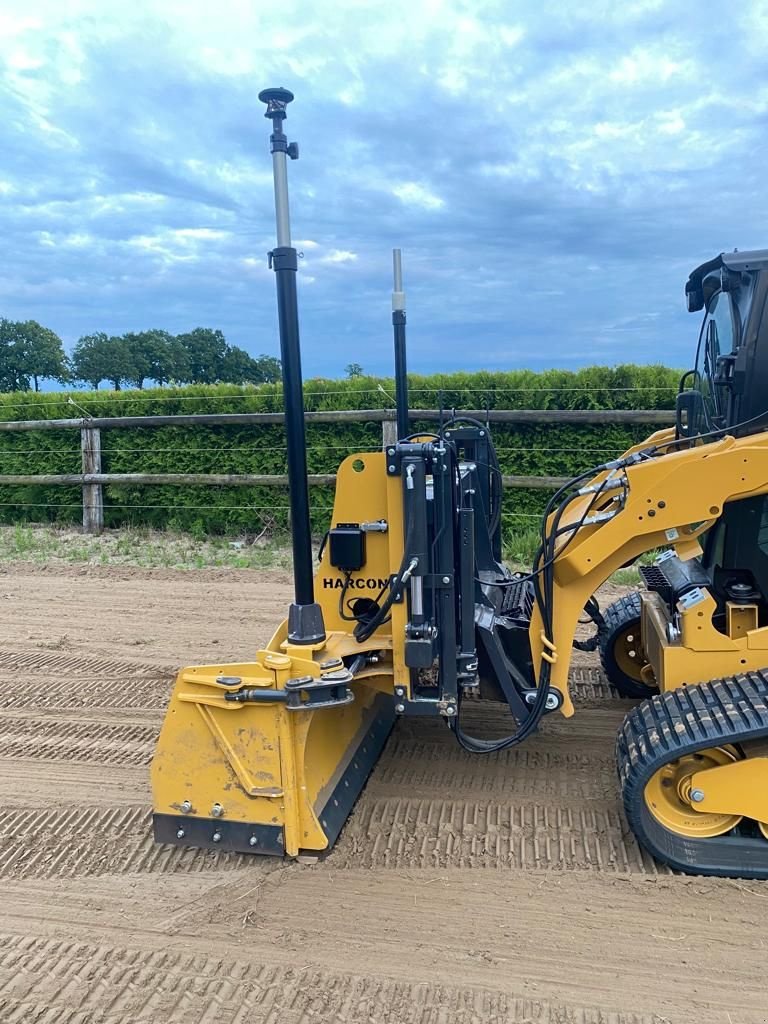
(365, 629)
(544, 599)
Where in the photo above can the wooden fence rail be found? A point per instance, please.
(648, 417)
(92, 480)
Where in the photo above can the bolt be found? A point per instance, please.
(399, 708)
(450, 711)
(399, 691)
(217, 810)
(446, 579)
(253, 841)
(180, 834)
(186, 806)
(697, 795)
(482, 433)
(552, 702)
(391, 469)
(390, 451)
(216, 837)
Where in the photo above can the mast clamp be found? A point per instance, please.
(283, 257)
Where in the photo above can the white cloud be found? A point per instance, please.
(413, 194)
(339, 256)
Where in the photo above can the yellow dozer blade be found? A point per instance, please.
(263, 775)
(270, 756)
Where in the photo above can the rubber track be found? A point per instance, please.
(682, 721)
(51, 981)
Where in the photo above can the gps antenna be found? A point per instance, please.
(305, 617)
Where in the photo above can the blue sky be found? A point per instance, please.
(552, 171)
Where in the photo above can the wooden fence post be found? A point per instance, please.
(389, 431)
(93, 495)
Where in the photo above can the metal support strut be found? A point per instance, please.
(305, 617)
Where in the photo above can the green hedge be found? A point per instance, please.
(527, 450)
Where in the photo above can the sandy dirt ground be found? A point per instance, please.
(466, 890)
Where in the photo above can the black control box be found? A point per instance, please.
(346, 547)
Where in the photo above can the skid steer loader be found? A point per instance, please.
(412, 609)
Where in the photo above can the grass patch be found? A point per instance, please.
(143, 548)
(152, 549)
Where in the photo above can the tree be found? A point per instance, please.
(121, 368)
(205, 349)
(97, 357)
(156, 355)
(270, 369)
(41, 354)
(354, 370)
(137, 356)
(12, 378)
(90, 359)
(238, 367)
(169, 359)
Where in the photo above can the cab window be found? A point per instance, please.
(718, 337)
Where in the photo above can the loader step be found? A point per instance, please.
(671, 725)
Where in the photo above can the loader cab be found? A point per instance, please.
(728, 383)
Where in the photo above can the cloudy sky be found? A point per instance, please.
(551, 170)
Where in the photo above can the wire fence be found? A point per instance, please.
(207, 496)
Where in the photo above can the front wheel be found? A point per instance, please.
(621, 649)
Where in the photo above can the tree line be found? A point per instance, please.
(31, 353)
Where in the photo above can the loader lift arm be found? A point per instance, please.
(657, 500)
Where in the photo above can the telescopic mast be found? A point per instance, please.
(305, 617)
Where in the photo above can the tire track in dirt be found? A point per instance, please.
(55, 981)
(70, 841)
(27, 783)
(397, 832)
(96, 742)
(145, 693)
(428, 770)
(42, 662)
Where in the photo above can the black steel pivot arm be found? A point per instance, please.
(305, 617)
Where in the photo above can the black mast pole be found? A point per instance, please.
(398, 327)
(305, 617)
